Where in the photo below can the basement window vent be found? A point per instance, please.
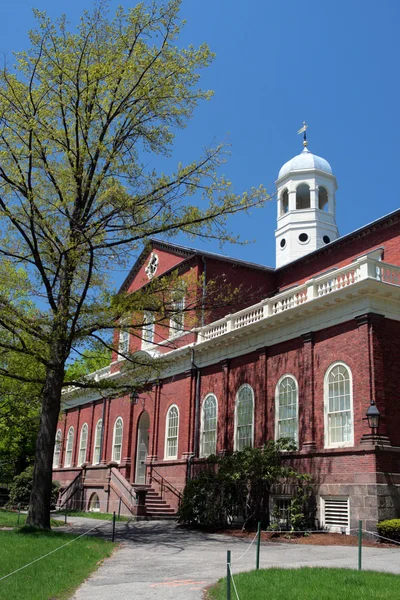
(335, 514)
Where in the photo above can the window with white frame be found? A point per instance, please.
(286, 408)
(83, 444)
(69, 447)
(172, 429)
(97, 443)
(280, 511)
(338, 392)
(117, 440)
(123, 345)
(208, 444)
(244, 418)
(57, 450)
(148, 329)
(177, 320)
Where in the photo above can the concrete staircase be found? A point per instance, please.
(157, 508)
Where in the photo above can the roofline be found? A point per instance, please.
(340, 240)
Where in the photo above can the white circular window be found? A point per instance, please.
(304, 238)
(152, 265)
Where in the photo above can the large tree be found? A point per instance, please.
(80, 113)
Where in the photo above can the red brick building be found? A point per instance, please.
(303, 351)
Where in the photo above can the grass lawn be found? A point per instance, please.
(54, 577)
(310, 584)
(93, 515)
(10, 519)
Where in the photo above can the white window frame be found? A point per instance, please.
(274, 500)
(177, 325)
(124, 339)
(350, 442)
(168, 437)
(97, 438)
(81, 449)
(69, 447)
(202, 431)
(242, 387)
(57, 449)
(277, 400)
(118, 460)
(148, 329)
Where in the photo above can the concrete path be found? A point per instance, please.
(159, 560)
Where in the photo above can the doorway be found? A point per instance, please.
(142, 447)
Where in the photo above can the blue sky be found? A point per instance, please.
(334, 64)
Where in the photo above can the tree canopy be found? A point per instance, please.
(80, 112)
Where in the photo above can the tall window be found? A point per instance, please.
(83, 444)
(148, 328)
(244, 417)
(177, 320)
(322, 198)
(69, 447)
(117, 440)
(172, 429)
(208, 443)
(338, 406)
(123, 346)
(302, 196)
(97, 443)
(57, 450)
(286, 408)
(285, 202)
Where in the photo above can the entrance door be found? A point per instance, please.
(142, 447)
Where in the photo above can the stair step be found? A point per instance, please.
(160, 511)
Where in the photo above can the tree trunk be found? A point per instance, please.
(39, 506)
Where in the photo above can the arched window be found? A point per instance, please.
(57, 450)
(208, 444)
(285, 202)
(286, 408)
(338, 395)
(83, 444)
(97, 443)
(244, 417)
(94, 503)
(117, 440)
(69, 448)
(303, 196)
(172, 429)
(322, 198)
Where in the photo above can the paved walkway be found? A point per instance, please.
(160, 560)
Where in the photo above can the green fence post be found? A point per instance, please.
(19, 512)
(66, 511)
(359, 544)
(119, 509)
(228, 575)
(113, 527)
(258, 546)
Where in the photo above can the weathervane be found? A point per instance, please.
(304, 130)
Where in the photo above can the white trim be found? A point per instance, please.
(293, 378)
(68, 463)
(166, 456)
(113, 442)
(326, 402)
(174, 331)
(80, 462)
(96, 436)
(245, 385)
(57, 449)
(202, 454)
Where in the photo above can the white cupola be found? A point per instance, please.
(306, 206)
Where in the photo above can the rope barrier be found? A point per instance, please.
(53, 551)
(245, 552)
(233, 581)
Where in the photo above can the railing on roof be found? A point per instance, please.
(361, 269)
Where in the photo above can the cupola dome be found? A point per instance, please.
(305, 161)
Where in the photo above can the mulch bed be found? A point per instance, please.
(314, 539)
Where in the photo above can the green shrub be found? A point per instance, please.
(390, 529)
(21, 487)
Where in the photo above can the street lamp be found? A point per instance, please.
(373, 416)
(134, 397)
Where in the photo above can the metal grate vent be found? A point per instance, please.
(335, 513)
